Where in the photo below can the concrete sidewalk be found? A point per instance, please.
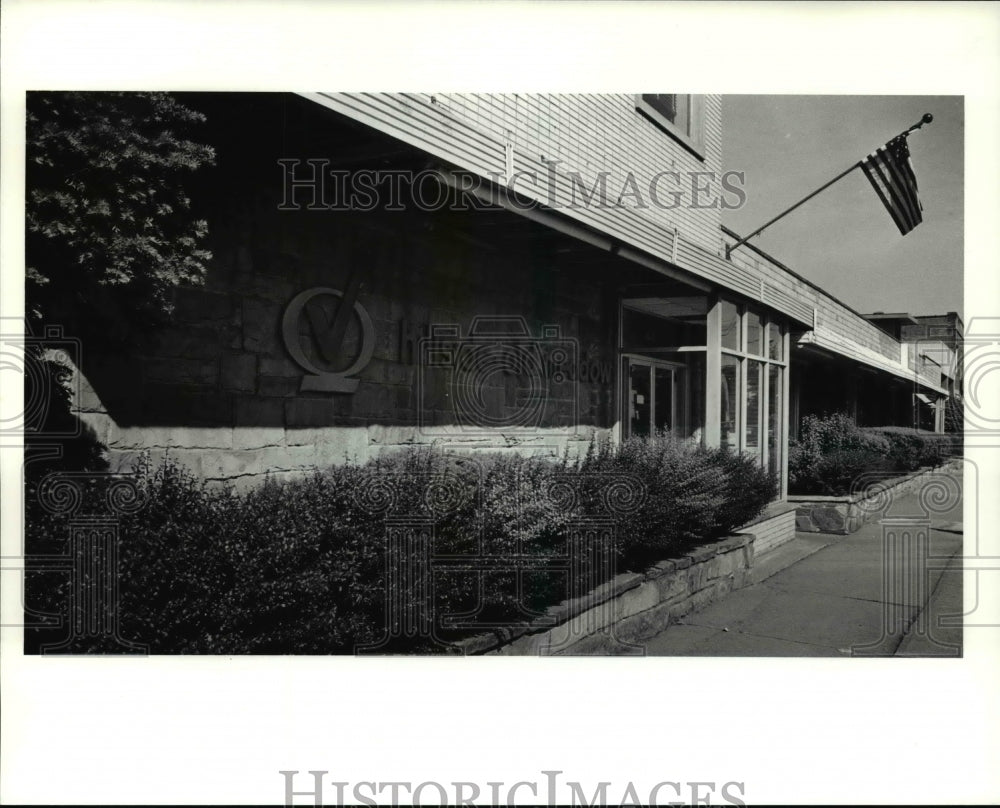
(826, 595)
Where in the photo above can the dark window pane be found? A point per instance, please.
(753, 415)
(675, 108)
(730, 396)
(691, 391)
(664, 103)
(774, 420)
(665, 323)
(775, 343)
(730, 325)
(639, 400)
(663, 413)
(754, 328)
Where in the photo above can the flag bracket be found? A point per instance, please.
(926, 118)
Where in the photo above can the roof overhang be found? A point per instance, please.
(824, 343)
(450, 141)
(902, 317)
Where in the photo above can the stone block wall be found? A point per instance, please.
(847, 514)
(617, 616)
(219, 391)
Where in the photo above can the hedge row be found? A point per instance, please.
(832, 451)
(301, 566)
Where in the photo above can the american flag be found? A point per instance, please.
(891, 174)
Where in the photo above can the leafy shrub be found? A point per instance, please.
(108, 220)
(833, 451)
(912, 448)
(301, 566)
(905, 448)
(205, 570)
(691, 493)
(749, 489)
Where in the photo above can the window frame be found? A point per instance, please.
(678, 408)
(692, 140)
(743, 357)
(685, 412)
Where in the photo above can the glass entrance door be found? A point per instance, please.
(652, 397)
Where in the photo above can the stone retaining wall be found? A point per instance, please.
(220, 389)
(629, 608)
(845, 515)
(776, 526)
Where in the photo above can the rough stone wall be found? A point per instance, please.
(847, 514)
(219, 391)
(616, 617)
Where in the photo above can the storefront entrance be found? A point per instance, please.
(663, 366)
(706, 370)
(652, 396)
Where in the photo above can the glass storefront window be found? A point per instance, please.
(663, 380)
(728, 434)
(692, 392)
(774, 419)
(730, 325)
(656, 324)
(775, 343)
(754, 329)
(755, 371)
(660, 397)
(664, 342)
(640, 400)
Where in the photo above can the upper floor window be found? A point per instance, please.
(681, 116)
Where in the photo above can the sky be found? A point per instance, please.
(844, 239)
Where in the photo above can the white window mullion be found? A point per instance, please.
(741, 407)
(651, 427)
(765, 414)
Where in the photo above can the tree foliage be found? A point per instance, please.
(109, 224)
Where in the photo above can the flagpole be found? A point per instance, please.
(927, 118)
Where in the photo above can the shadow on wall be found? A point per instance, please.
(222, 362)
(56, 438)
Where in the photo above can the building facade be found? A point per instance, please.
(524, 272)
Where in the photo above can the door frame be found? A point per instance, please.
(677, 408)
